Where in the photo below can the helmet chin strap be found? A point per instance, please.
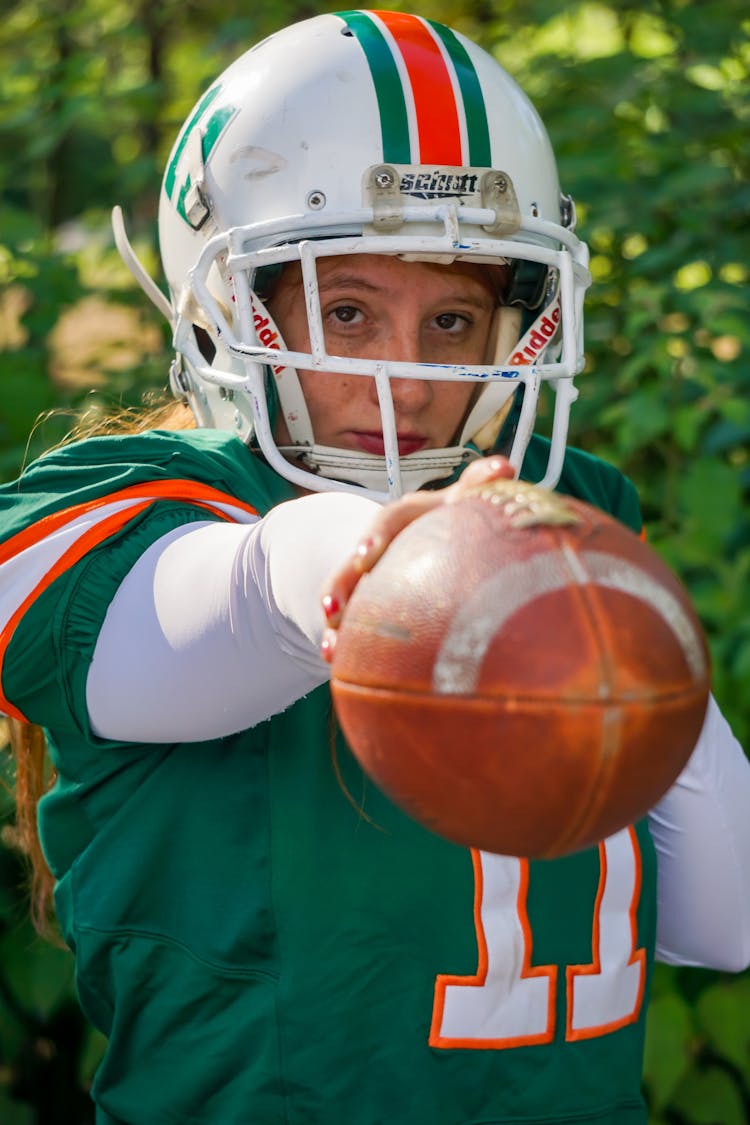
(371, 470)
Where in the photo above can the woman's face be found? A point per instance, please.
(384, 308)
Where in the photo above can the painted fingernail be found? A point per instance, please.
(331, 606)
(501, 465)
(366, 552)
(327, 645)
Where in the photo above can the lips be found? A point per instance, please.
(371, 441)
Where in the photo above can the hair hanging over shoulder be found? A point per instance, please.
(34, 777)
(34, 773)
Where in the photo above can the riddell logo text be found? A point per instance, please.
(266, 335)
(537, 339)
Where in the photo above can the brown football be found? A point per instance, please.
(521, 673)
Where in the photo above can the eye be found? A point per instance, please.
(451, 322)
(344, 314)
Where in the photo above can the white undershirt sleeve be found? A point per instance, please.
(701, 829)
(217, 626)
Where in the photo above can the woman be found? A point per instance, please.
(365, 304)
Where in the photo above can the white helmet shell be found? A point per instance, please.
(364, 132)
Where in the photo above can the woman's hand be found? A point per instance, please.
(390, 520)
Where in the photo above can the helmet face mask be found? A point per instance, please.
(365, 133)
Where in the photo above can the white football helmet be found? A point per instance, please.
(369, 133)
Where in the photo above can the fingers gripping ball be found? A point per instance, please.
(520, 672)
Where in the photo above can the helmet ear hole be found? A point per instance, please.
(205, 343)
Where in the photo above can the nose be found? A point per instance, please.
(404, 346)
(410, 395)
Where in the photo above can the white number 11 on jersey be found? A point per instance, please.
(511, 1003)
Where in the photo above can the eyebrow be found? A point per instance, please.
(350, 281)
(354, 281)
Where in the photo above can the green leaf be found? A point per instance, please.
(667, 1058)
(91, 1055)
(710, 1097)
(15, 1113)
(722, 1014)
(710, 496)
(39, 975)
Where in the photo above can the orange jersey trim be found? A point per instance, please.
(442, 981)
(191, 491)
(143, 495)
(638, 956)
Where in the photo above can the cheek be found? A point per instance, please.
(454, 398)
(326, 395)
(451, 404)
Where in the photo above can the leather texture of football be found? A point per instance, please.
(521, 673)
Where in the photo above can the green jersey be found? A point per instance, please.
(260, 934)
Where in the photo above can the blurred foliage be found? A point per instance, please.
(646, 102)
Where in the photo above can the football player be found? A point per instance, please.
(373, 275)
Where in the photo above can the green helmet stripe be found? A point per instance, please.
(394, 119)
(480, 149)
(215, 127)
(203, 104)
(394, 122)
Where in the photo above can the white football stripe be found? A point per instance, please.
(616, 574)
(465, 644)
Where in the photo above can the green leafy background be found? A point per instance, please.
(647, 107)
